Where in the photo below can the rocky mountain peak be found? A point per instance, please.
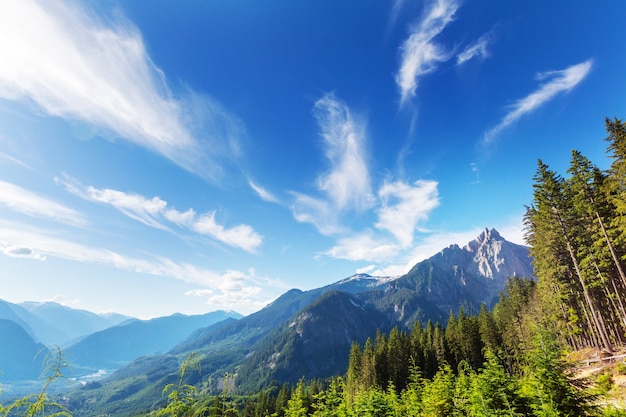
(494, 257)
(486, 238)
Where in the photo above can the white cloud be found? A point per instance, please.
(420, 54)
(72, 64)
(262, 192)
(241, 236)
(47, 244)
(558, 81)
(476, 171)
(346, 185)
(397, 7)
(26, 202)
(15, 251)
(404, 206)
(364, 247)
(15, 160)
(231, 289)
(237, 291)
(319, 212)
(366, 269)
(154, 212)
(477, 49)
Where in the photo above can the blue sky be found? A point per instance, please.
(161, 157)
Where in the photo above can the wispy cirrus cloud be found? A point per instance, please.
(262, 192)
(346, 184)
(26, 202)
(232, 286)
(155, 212)
(477, 49)
(420, 52)
(47, 244)
(557, 82)
(73, 64)
(399, 208)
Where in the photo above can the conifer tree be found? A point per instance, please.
(616, 185)
(297, 404)
(547, 384)
(550, 232)
(438, 394)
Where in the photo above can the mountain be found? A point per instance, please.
(54, 324)
(315, 341)
(68, 323)
(18, 315)
(309, 333)
(116, 346)
(457, 277)
(21, 357)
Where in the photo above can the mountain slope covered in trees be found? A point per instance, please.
(309, 333)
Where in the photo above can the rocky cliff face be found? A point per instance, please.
(495, 258)
(469, 275)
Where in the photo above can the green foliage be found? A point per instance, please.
(40, 404)
(181, 397)
(296, 405)
(603, 383)
(547, 383)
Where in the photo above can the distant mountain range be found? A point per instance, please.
(54, 324)
(118, 345)
(308, 334)
(21, 357)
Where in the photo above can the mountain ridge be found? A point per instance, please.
(308, 333)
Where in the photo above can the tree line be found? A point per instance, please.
(576, 229)
(503, 362)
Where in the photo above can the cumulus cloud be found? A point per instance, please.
(404, 206)
(557, 82)
(366, 269)
(155, 212)
(346, 184)
(237, 290)
(75, 65)
(26, 202)
(477, 49)
(420, 53)
(364, 247)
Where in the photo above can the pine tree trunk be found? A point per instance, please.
(616, 261)
(570, 249)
